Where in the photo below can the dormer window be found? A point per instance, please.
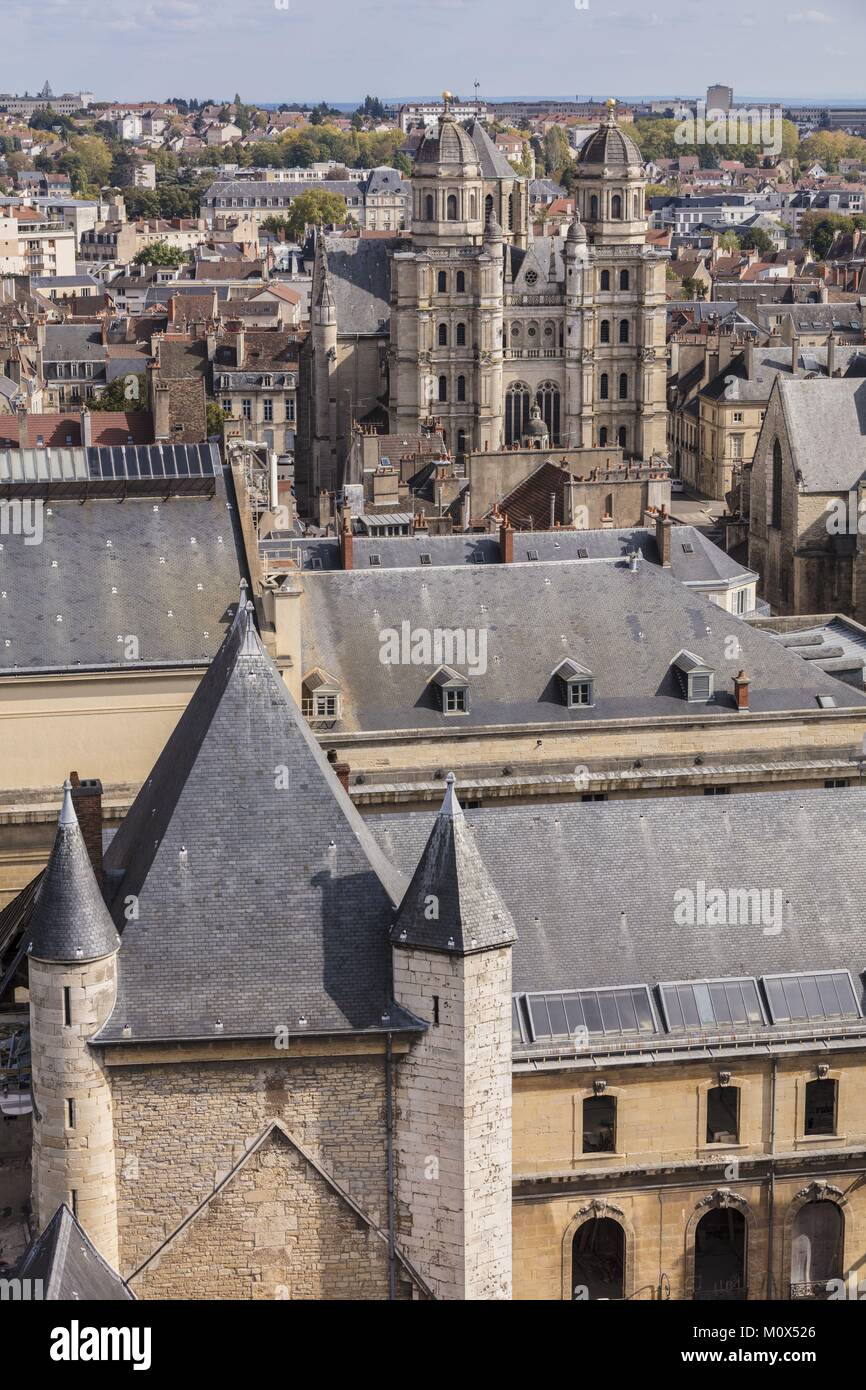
(453, 690)
(321, 699)
(695, 677)
(577, 683)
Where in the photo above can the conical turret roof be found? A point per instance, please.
(70, 920)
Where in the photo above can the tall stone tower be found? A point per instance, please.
(72, 965)
(627, 384)
(452, 944)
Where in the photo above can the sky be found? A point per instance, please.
(306, 50)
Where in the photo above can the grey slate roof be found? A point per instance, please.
(152, 582)
(493, 163)
(73, 342)
(624, 627)
(826, 423)
(591, 887)
(264, 901)
(360, 281)
(70, 1266)
(70, 921)
(451, 904)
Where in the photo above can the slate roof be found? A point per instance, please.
(360, 281)
(70, 921)
(73, 342)
(733, 384)
(264, 901)
(70, 1266)
(624, 627)
(826, 423)
(122, 568)
(493, 163)
(451, 905)
(611, 146)
(592, 889)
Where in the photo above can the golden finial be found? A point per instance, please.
(610, 103)
(447, 97)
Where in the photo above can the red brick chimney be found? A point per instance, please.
(87, 800)
(741, 691)
(346, 539)
(663, 538)
(506, 542)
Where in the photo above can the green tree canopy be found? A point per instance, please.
(160, 253)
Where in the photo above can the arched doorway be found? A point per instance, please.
(720, 1255)
(598, 1260)
(816, 1249)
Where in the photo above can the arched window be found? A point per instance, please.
(623, 330)
(461, 441)
(517, 400)
(461, 282)
(461, 335)
(593, 208)
(451, 208)
(623, 386)
(616, 207)
(816, 1249)
(429, 208)
(622, 437)
(442, 281)
(443, 388)
(720, 1255)
(637, 205)
(605, 280)
(443, 335)
(473, 207)
(461, 388)
(775, 517)
(604, 328)
(602, 437)
(488, 208)
(603, 387)
(623, 280)
(511, 212)
(598, 1260)
(547, 398)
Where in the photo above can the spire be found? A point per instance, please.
(70, 922)
(451, 904)
(250, 642)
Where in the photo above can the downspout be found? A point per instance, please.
(771, 1183)
(389, 1125)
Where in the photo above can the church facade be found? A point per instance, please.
(475, 322)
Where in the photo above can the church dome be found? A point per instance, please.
(577, 231)
(610, 147)
(536, 428)
(449, 147)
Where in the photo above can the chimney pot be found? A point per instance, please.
(741, 691)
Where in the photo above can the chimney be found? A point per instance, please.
(506, 542)
(87, 800)
(749, 357)
(795, 353)
(741, 691)
(346, 539)
(341, 770)
(831, 355)
(663, 538)
(86, 429)
(161, 413)
(240, 347)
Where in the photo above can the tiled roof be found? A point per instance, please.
(70, 1267)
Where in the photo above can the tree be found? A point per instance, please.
(759, 240)
(555, 149)
(160, 253)
(819, 229)
(214, 418)
(88, 160)
(314, 208)
(124, 393)
(730, 242)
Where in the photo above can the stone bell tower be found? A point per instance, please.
(72, 965)
(452, 943)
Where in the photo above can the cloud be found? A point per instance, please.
(810, 17)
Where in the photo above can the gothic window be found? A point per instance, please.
(461, 388)
(443, 335)
(547, 398)
(623, 386)
(443, 388)
(461, 335)
(616, 207)
(517, 400)
(602, 437)
(451, 208)
(605, 280)
(604, 331)
(775, 518)
(442, 281)
(623, 330)
(488, 208)
(603, 390)
(622, 437)
(593, 208)
(429, 208)
(623, 280)
(510, 211)
(461, 282)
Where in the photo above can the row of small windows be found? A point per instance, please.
(459, 282)
(624, 331)
(624, 280)
(621, 437)
(451, 208)
(617, 203)
(604, 387)
(443, 388)
(459, 335)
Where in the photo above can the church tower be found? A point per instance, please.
(452, 942)
(72, 966)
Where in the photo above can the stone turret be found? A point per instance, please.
(452, 941)
(447, 187)
(612, 185)
(72, 964)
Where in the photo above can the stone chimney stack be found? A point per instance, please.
(86, 429)
(831, 355)
(741, 691)
(506, 542)
(87, 800)
(663, 538)
(346, 539)
(161, 414)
